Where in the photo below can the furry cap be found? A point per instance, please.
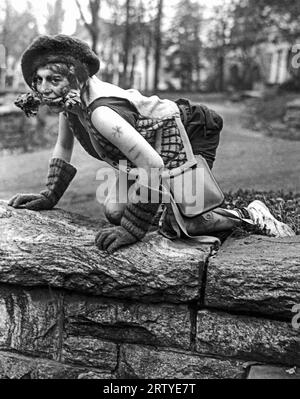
(59, 48)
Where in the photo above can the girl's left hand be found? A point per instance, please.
(72, 100)
(112, 238)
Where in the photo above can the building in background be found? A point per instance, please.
(269, 63)
(279, 66)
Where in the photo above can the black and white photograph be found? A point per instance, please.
(149, 193)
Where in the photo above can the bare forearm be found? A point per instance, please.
(62, 153)
(65, 141)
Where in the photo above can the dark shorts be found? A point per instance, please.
(203, 127)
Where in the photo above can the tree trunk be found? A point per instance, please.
(158, 43)
(147, 61)
(2, 77)
(197, 58)
(132, 71)
(221, 71)
(126, 46)
(93, 28)
(4, 51)
(222, 55)
(95, 36)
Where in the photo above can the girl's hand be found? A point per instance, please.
(33, 202)
(112, 238)
(72, 101)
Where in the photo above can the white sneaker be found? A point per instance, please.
(267, 224)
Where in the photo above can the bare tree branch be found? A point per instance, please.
(93, 27)
(158, 43)
(87, 25)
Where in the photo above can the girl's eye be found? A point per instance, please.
(55, 80)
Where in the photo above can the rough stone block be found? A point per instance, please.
(146, 363)
(92, 375)
(90, 352)
(13, 366)
(132, 322)
(29, 321)
(247, 338)
(41, 250)
(273, 373)
(258, 275)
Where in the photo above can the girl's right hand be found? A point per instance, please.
(33, 202)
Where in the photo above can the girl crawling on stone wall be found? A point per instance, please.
(113, 124)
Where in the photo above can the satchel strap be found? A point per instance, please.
(185, 140)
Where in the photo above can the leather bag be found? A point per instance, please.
(191, 189)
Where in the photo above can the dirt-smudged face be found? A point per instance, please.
(51, 85)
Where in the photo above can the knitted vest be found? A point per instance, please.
(154, 116)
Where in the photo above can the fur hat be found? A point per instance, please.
(59, 48)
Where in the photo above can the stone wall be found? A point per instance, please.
(159, 310)
(16, 131)
(292, 117)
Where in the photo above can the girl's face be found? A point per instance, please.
(51, 85)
